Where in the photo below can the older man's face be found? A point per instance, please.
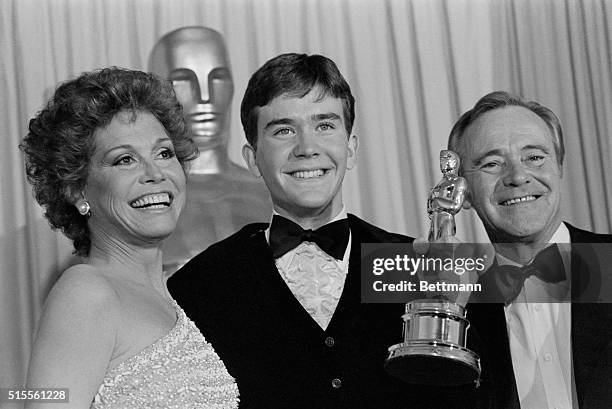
(513, 175)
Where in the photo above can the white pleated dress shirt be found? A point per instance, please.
(540, 337)
(315, 278)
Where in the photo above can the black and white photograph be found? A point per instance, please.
(191, 188)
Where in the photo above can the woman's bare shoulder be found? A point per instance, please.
(83, 281)
(85, 298)
(77, 334)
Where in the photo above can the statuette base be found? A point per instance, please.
(430, 362)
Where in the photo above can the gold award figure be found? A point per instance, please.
(435, 330)
(446, 198)
(221, 195)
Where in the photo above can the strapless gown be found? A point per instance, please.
(180, 370)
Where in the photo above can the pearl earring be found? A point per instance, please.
(83, 207)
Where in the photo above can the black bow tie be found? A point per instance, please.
(286, 235)
(507, 281)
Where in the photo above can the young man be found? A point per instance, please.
(537, 351)
(280, 302)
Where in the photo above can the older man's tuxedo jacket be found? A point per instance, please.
(277, 353)
(591, 336)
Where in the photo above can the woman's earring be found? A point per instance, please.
(83, 207)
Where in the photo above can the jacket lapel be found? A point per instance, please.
(349, 300)
(273, 294)
(488, 337)
(591, 321)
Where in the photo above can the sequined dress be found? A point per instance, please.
(180, 370)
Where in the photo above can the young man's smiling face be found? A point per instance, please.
(513, 174)
(303, 150)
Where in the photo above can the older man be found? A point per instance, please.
(537, 351)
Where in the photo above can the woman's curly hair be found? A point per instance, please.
(60, 141)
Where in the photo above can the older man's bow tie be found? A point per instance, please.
(286, 235)
(547, 266)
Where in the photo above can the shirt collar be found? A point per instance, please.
(341, 215)
(561, 237)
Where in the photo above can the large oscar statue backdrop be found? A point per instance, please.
(221, 195)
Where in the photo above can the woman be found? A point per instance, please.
(107, 159)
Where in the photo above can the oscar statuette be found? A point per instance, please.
(435, 330)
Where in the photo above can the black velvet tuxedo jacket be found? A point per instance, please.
(591, 338)
(277, 353)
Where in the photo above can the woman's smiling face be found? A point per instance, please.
(135, 184)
